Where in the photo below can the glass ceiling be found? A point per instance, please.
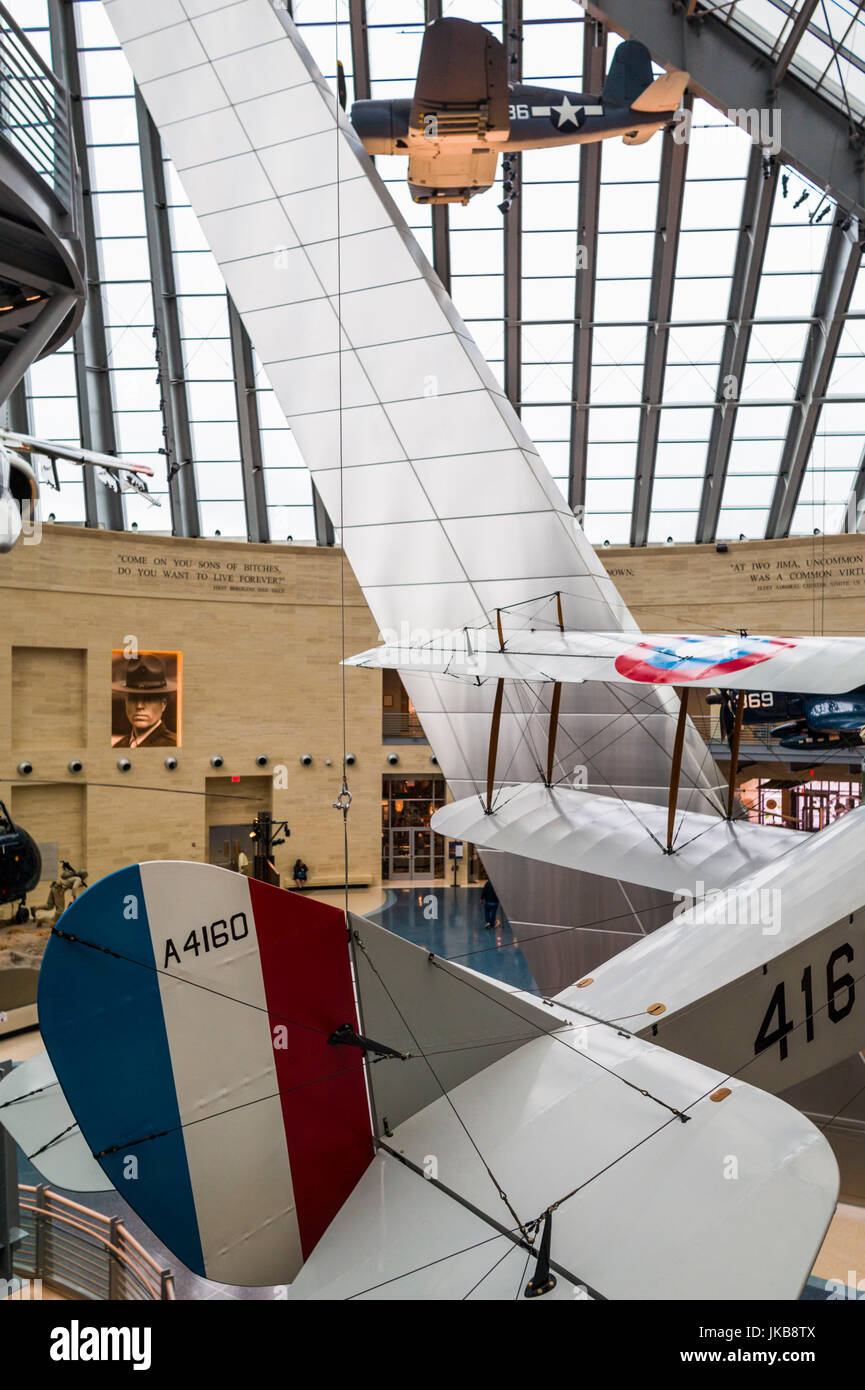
(829, 57)
(717, 162)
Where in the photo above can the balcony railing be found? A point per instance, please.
(83, 1254)
(34, 111)
(397, 727)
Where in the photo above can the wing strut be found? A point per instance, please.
(554, 705)
(735, 737)
(676, 765)
(496, 723)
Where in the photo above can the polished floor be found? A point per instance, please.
(450, 922)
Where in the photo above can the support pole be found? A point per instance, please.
(676, 766)
(554, 705)
(496, 722)
(735, 739)
(494, 743)
(554, 728)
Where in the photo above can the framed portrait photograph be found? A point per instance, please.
(146, 699)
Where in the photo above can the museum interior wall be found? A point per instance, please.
(252, 636)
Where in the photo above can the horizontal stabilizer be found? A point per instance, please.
(34, 1110)
(665, 92)
(425, 1007)
(587, 1111)
(615, 838)
(808, 665)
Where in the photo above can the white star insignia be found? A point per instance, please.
(567, 112)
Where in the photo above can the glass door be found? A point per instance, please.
(400, 854)
(410, 854)
(410, 850)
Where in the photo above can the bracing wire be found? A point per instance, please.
(343, 802)
(445, 1094)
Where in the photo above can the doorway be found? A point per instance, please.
(226, 843)
(410, 854)
(410, 851)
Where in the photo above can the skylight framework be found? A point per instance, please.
(679, 324)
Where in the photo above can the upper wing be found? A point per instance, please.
(811, 665)
(27, 444)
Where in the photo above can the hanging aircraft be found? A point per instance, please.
(348, 1055)
(809, 721)
(26, 462)
(20, 864)
(313, 1099)
(464, 112)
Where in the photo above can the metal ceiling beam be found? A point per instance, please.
(176, 428)
(853, 517)
(512, 34)
(441, 241)
(588, 210)
(800, 24)
(359, 49)
(760, 185)
(671, 191)
(733, 75)
(34, 340)
(103, 506)
(16, 410)
(249, 428)
(832, 300)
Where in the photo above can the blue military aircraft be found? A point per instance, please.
(464, 112)
(808, 722)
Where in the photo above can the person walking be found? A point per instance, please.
(490, 900)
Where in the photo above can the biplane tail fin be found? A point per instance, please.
(205, 1031)
(187, 1012)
